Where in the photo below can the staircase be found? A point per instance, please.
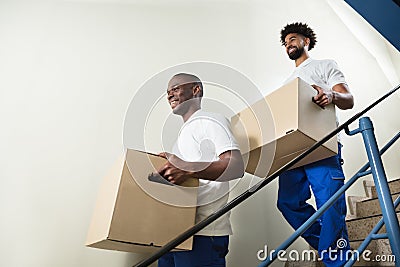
(365, 212)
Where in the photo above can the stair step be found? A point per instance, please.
(370, 207)
(370, 189)
(352, 204)
(359, 228)
(381, 254)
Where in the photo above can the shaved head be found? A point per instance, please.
(186, 78)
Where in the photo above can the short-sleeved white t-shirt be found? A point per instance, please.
(323, 73)
(202, 138)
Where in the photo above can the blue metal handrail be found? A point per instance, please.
(378, 173)
(236, 201)
(376, 168)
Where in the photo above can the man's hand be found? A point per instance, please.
(229, 166)
(175, 170)
(340, 96)
(323, 97)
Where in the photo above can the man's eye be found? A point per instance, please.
(173, 90)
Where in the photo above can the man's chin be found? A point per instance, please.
(176, 110)
(181, 108)
(293, 56)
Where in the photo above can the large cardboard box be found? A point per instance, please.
(137, 215)
(281, 126)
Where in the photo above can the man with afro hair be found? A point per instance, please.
(325, 177)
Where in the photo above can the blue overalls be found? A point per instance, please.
(324, 177)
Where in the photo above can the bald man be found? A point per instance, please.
(206, 150)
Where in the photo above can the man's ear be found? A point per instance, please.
(197, 91)
(307, 41)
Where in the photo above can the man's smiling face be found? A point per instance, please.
(295, 45)
(180, 90)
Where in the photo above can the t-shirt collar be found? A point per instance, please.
(194, 115)
(304, 63)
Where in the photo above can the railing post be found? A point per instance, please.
(382, 187)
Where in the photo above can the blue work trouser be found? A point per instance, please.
(328, 234)
(208, 251)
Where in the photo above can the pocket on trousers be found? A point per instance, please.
(337, 180)
(336, 174)
(335, 170)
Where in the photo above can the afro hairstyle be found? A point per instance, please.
(299, 28)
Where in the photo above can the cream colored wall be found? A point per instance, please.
(69, 70)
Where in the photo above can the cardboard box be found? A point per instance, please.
(127, 217)
(278, 128)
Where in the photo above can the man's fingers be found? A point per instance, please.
(319, 96)
(323, 102)
(163, 155)
(168, 172)
(320, 92)
(316, 87)
(322, 97)
(163, 169)
(172, 180)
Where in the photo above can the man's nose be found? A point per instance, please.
(170, 95)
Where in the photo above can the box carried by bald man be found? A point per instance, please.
(136, 213)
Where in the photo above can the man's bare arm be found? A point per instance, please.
(229, 166)
(339, 96)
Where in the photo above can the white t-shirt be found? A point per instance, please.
(202, 138)
(324, 73)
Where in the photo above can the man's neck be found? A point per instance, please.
(301, 59)
(190, 112)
